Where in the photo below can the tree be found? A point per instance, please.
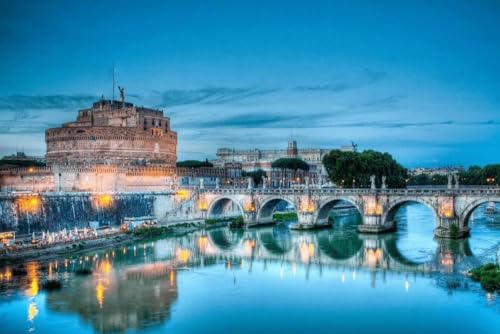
(255, 175)
(291, 164)
(194, 164)
(353, 169)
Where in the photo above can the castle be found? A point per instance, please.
(112, 146)
(113, 133)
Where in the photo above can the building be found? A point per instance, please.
(113, 133)
(436, 170)
(254, 159)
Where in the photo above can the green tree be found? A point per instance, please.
(291, 163)
(255, 175)
(353, 169)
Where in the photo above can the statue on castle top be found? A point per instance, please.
(372, 182)
(122, 93)
(384, 186)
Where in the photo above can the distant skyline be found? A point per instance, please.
(417, 79)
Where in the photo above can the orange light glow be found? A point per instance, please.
(99, 293)
(306, 251)
(171, 277)
(373, 257)
(202, 204)
(6, 275)
(372, 207)
(306, 206)
(32, 275)
(446, 209)
(183, 255)
(249, 207)
(202, 243)
(447, 260)
(105, 267)
(183, 194)
(248, 246)
(104, 200)
(32, 311)
(30, 204)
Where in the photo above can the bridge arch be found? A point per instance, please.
(469, 209)
(267, 208)
(393, 207)
(327, 205)
(219, 204)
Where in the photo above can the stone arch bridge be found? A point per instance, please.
(452, 208)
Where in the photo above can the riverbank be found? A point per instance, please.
(50, 252)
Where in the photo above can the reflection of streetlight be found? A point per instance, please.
(31, 171)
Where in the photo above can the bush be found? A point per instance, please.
(285, 217)
(488, 275)
(237, 222)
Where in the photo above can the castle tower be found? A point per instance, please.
(291, 149)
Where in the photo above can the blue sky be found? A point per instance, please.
(419, 79)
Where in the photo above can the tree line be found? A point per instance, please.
(474, 175)
(353, 169)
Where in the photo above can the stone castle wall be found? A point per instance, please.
(101, 178)
(113, 132)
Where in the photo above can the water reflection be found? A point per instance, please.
(135, 287)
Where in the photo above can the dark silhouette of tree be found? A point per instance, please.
(353, 169)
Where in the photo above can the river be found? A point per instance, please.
(267, 280)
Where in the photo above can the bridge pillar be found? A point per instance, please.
(448, 222)
(372, 216)
(306, 214)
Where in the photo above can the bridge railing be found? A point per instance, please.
(469, 190)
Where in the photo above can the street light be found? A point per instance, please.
(353, 182)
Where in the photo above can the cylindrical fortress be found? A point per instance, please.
(113, 133)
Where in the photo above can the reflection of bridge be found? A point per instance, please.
(451, 207)
(326, 248)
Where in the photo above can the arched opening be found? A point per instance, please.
(414, 237)
(224, 208)
(483, 219)
(340, 212)
(277, 210)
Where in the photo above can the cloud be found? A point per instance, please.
(385, 124)
(367, 77)
(20, 102)
(263, 120)
(209, 95)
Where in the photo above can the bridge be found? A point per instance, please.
(452, 207)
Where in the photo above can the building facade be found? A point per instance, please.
(113, 133)
(254, 159)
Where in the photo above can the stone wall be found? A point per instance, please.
(26, 214)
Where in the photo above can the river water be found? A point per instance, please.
(267, 280)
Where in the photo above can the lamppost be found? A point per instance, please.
(490, 180)
(353, 183)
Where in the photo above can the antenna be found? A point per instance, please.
(113, 84)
